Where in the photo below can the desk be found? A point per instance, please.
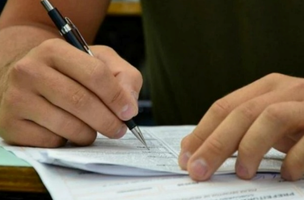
(18, 180)
(124, 8)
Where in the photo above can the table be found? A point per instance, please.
(18, 180)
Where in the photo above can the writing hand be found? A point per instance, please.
(267, 113)
(57, 93)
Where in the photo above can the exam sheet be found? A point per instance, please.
(127, 156)
(72, 184)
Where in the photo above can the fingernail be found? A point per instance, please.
(242, 171)
(183, 159)
(121, 132)
(127, 112)
(199, 168)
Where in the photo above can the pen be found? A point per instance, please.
(72, 35)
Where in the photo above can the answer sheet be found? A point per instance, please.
(72, 184)
(127, 156)
(68, 183)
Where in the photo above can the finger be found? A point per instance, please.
(27, 133)
(18, 131)
(34, 108)
(272, 125)
(219, 111)
(226, 137)
(284, 144)
(83, 104)
(293, 166)
(91, 73)
(128, 76)
(56, 120)
(70, 96)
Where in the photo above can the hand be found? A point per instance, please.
(267, 113)
(57, 93)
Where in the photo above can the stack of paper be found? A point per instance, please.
(127, 157)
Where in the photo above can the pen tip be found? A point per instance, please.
(136, 131)
(144, 143)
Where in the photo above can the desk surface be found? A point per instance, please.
(17, 175)
(20, 179)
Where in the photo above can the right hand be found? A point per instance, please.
(57, 93)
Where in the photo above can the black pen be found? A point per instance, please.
(72, 35)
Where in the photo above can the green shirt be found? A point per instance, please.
(200, 50)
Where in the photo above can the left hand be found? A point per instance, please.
(266, 113)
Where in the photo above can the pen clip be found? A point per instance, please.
(79, 36)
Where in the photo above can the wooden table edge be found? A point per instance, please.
(20, 179)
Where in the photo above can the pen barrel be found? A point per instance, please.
(57, 18)
(69, 35)
(73, 40)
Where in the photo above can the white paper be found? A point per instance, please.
(127, 156)
(71, 184)
(68, 184)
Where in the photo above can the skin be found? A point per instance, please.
(266, 113)
(48, 98)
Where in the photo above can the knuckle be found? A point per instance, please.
(49, 46)
(108, 50)
(275, 114)
(221, 108)
(21, 68)
(80, 99)
(215, 146)
(273, 78)
(247, 110)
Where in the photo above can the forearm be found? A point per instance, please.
(16, 41)
(25, 24)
